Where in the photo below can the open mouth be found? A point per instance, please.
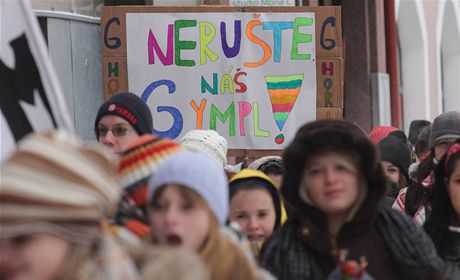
(174, 240)
(256, 237)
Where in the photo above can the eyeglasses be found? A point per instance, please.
(116, 131)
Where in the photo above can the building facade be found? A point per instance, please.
(402, 57)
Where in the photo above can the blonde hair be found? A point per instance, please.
(224, 259)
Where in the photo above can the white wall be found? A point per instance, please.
(414, 61)
(449, 55)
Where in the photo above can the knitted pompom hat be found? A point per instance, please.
(379, 132)
(199, 173)
(446, 125)
(131, 108)
(208, 142)
(143, 157)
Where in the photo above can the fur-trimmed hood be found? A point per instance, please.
(335, 136)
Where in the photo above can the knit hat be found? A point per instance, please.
(131, 108)
(208, 142)
(55, 178)
(249, 175)
(143, 157)
(140, 161)
(199, 173)
(379, 132)
(394, 150)
(267, 162)
(446, 125)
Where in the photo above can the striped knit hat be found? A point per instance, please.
(143, 156)
(57, 184)
(140, 161)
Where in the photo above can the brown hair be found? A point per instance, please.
(402, 182)
(225, 260)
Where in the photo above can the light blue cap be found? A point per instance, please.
(198, 172)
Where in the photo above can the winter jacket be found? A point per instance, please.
(400, 205)
(449, 245)
(395, 247)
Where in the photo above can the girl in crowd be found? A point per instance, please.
(443, 224)
(332, 187)
(421, 149)
(412, 200)
(188, 203)
(395, 158)
(137, 164)
(255, 205)
(55, 197)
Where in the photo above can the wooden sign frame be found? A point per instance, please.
(329, 54)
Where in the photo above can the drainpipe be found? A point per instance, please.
(392, 62)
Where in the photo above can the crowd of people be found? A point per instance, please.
(338, 204)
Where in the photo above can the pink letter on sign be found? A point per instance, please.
(152, 43)
(325, 69)
(244, 109)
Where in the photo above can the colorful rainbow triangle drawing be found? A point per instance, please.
(283, 92)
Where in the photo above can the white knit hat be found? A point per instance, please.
(208, 142)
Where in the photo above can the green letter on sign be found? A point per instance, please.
(223, 118)
(299, 38)
(183, 45)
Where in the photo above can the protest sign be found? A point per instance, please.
(249, 74)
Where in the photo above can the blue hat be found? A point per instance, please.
(198, 172)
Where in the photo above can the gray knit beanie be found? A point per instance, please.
(446, 125)
(199, 173)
